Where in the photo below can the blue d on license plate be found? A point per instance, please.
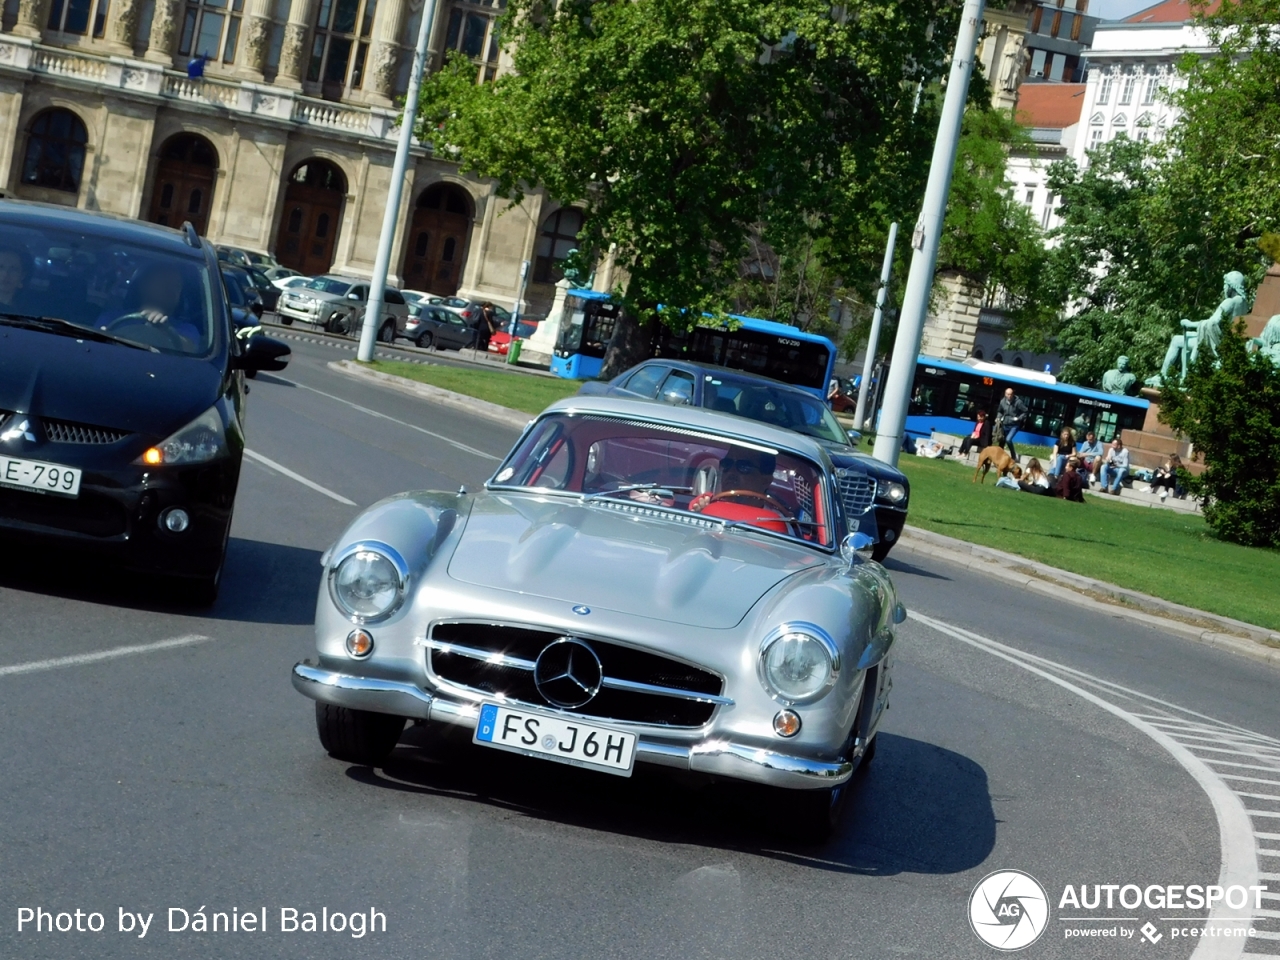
(554, 737)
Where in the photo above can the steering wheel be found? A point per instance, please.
(171, 337)
(702, 501)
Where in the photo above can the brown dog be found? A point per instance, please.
(996, 457)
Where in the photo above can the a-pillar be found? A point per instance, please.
(293, 49)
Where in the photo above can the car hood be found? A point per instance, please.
(603, 558)
(846, 456)
(103, 384)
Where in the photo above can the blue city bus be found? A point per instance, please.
(755, 346)
(946, 397)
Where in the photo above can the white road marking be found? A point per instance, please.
(35, 666)
(1239, 852)
(412, 426)
(271, 464)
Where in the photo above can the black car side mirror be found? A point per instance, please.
(257, 309)
(263, 353)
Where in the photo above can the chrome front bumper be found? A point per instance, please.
(715, 757)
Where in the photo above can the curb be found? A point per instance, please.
(490, 411)
(1234, 636)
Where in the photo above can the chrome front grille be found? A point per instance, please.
(857, 491)
(61, 431)
(637, 686)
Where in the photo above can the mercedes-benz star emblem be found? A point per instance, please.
(567, 673)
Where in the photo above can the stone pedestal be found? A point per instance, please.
(540, 347)
(950, 333)
(1266, 302)
(1151, 446)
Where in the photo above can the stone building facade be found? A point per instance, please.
(284, 145)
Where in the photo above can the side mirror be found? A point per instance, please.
(855, 437)
(353, 296)
(263, 353)
(856, 545)
(257, 308)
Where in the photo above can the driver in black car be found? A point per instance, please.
(155, 295)
(13, 273)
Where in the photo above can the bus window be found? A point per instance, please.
(970, 398)
(1106, 426)
(801, 362)
(1046, 415)
(923, 401)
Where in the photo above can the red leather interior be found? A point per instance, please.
(756, 514)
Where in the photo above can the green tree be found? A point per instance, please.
(681, 124)
(1229, 413)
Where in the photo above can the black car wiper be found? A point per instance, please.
(68, 329)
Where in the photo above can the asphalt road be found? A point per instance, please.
(188, 774)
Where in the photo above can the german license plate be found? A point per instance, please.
(552, 737)
(39, 476)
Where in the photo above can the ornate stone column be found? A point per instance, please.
(31, 18)
(122, 24)
(255, 40)
(164, 31)
(293, 51)
(384, 57)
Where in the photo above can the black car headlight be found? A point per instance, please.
(367, 581)
(894, 493)
(798, 663)
(201, 440)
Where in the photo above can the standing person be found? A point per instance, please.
(1011, 412)
(981, 436)
(486, 326)
(1115, 468)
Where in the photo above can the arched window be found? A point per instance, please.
(977, 353)
(1017, 361)
(559, 235)
(998, 358)
(55, 151)
(474, 33)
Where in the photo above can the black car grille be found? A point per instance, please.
(90, 514)
(618, 663)
(62, 431)
(857, 491)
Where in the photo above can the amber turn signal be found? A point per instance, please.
(153, 457)
(786, 723)
(359, 644)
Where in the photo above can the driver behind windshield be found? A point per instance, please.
(155, 296)
(13, 273)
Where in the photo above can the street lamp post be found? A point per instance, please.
(925, 238)
(391, 216)
(873, 341)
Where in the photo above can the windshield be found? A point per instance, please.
(672, 472)
(789, 409)
(328, 285)
(144, 295)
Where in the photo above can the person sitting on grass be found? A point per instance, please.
(1070, 484)
(1034, 479)
(980, 438)
(1065, 446)
(1115, 468)
(1166, 478)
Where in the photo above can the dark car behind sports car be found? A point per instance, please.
(121, 391)
(874, 493)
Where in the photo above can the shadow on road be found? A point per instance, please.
(917, 809)
(894, 565)
(261, 582)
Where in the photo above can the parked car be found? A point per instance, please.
(246, 258)
(873, 492)
(845, 397)
(500, 342)
(278, 274)
(267, 290)
(469, 310)
(122, 397)
(289, 281)
(336, 304)
(432, 326)
(246, 303)
(636, 584)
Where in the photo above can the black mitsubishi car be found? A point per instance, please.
(121, 392)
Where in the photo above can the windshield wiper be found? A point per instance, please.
(628, 488)
(68, 329)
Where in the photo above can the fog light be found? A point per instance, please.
(175, 520)
(786, 723)
(888, 536)
(359, 644)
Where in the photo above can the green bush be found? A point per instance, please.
(1231, 414)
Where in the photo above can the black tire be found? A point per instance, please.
(810, 816)
(251, 374)
(387, 333)
(287, 321)
(868, 755)
(336, 323)
(357, 736)
(880, 551)
(425, 340)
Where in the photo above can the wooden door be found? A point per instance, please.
(312, 215)
(437, 241)
(184, 182)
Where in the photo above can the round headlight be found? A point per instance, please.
(895, 493)
(368, 582)
(798, 663)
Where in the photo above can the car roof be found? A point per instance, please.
(726, 373)
(31, 215)
(696, 418)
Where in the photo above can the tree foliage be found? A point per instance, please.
(1229, 413)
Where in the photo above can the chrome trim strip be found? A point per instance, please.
(361, 693)
(499, 659)
(637, 687)
(766, 766)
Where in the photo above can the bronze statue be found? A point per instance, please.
(1269, 342)
(1119, 380)
(1185, 346)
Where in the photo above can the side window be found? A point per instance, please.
(393, 297)
(361, 292)
(234, 295)
(645, 380)
(678, 388)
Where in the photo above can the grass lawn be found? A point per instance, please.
(1166, 554)
(515, 390)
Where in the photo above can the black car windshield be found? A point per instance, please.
(329, 285)
(789, 409)
(142, 294)
(673, 472)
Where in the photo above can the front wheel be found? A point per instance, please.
(287, 321)
(388, 332)
(425, 339)
(810, 816)
(880, 551)
(357, 736)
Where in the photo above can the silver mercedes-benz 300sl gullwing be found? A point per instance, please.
(635, 584)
